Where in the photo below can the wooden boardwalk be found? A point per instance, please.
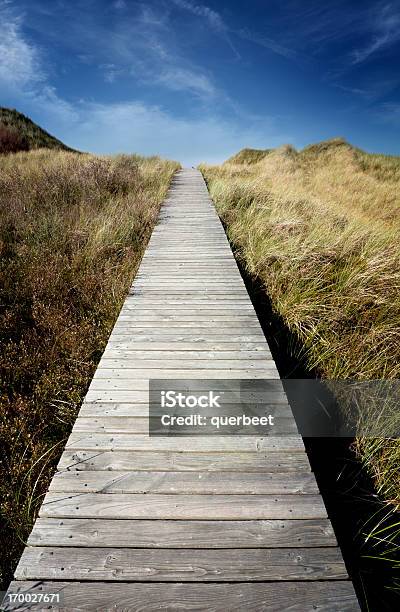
(133, 522)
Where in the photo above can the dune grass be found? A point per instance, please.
(319, 228)
(73, 228)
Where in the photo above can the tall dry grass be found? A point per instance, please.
(72, 231)
(320, 229)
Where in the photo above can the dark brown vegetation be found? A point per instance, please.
(73, 228)
(11, 141)
(20, 131)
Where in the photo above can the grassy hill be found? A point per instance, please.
(24, 134)
(248, 156)
(319, 229)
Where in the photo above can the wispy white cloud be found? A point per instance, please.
(221, 27)
(384, 26)
(180, 79)
(266, 42)
(213, 18)
(22, 72)
(20, 62)
(358, 91)
(144, 47)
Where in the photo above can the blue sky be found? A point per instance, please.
(197, 82)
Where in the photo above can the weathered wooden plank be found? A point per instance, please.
(108, 533)
(154, 292)
(195, 271)
(229, 388)
(188, 356)
(188, 444)
(131, 383)
(190, 507)
(182, 266)
(223, 297)
(250, 329)
(198, 279)
(133, 410)
(211, 483)
(126, 379)
(184, 309)
(184, 305)
(242, 320)
(142, 395)
(177, 334)
(184, 462)
(97, 410)
(176, 275)
(119, 366)
(187, 344)
(190, 256)
(224, 275)
(180, 565)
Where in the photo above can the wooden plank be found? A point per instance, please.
(138, 379)
(208, 284)
(184, 308)
(180, 565)
(190, 507)
(175, 274)
(126, 320)
(197, 334)
(184, 344)
(224, 276)
(154, 293)
(229, 388)
(184, 462)
(182, 534)
(118, 367)
(126, 379)
(142, 394)
(223, 297)
(217, 483)
(141, 410)
(182, 298)
(186, 444)
(232, 328)
(188, 356)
